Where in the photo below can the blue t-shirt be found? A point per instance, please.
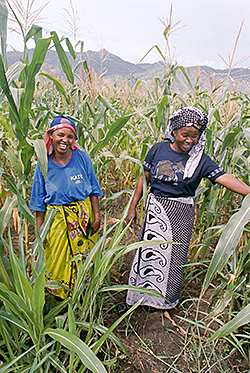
(166, 167)
(73, 182)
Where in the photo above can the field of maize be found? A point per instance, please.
(116, 125)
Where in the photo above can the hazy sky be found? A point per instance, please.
(129, 28)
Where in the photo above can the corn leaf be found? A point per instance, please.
(32, 70)
(35, 31)
(57, 364)
(62, 58)
(38, 300)
(41, 152)
(228, 241)
(14, 320)
(242, 318)
(6, 368)
(15, 163)
(114, 129)
(102, 329)
(14, 71)
(70, 48)
(114, 325)
(5, 87)
(6, 211)
(73, 343)
(3, 27)
(49, 318)
(58, 85)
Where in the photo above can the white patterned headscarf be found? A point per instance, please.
(189, 116)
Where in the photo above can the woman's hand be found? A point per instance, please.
(95, 226)
(131, 215)
(95, 206)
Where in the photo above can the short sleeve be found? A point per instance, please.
(38, 192)
(96, 189)
(213, 171)
(147, 164)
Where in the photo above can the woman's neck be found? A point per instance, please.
(61, 159)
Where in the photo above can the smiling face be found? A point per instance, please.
(62, 140)
(185, 137)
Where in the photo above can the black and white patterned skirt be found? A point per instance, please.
(161, 267)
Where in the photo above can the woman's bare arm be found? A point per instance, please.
(39, 219)
(137, 196)
(95, 206)
(231, 182)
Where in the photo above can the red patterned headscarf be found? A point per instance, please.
(59, 122)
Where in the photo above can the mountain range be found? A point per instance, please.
(115, 68)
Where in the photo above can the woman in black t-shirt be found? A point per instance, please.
(174, 170)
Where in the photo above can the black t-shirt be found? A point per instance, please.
(166, 167)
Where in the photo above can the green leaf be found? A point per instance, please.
(41, 235)
(31, 72)
(114, 129)
(41, 152)
(242, 318)
(114, 325)
(70, 48)
(5, 87)
(57, 364)
(228, 241)
(14, 71)
(35, 31)
(38, 300)
(229, 139)
(63, 58)
(22, 285)
(18, 307)
(58, 85)
(50, 317)
(5, 368)
(107, 104)
(27, 153)
(73, 343)
(102, 329)
(7, 127)
(4, 277)
(15, 163)
(6, 211)
(3, 27)
(14, 320)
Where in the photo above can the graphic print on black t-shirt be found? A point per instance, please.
(168, 171)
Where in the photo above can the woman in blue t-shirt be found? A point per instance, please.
(72, 189)
(174, 169)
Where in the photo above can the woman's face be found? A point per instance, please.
(62, 140)
(185, 137)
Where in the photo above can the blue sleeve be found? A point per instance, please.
(38, 193)
(96, 189)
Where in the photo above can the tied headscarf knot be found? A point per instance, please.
(189, 116)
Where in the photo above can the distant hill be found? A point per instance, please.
(115, 68)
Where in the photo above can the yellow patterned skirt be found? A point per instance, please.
(69, 235)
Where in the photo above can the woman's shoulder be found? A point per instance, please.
(79, 153)
(160, 145)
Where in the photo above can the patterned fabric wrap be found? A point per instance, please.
(69, 236)
(189, 116)
(161, 267)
